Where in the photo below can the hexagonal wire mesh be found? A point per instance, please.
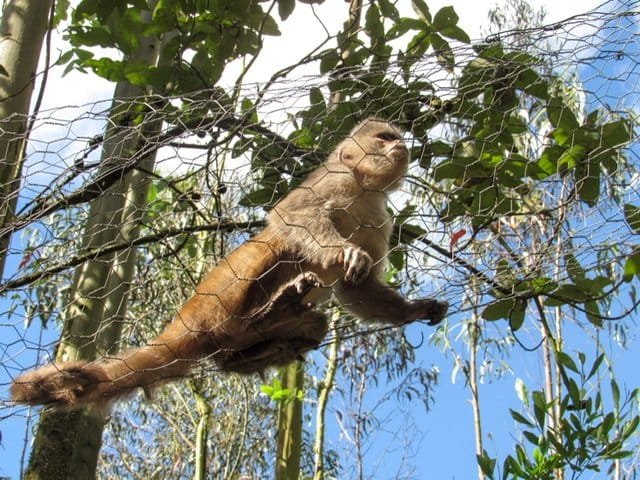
(518, 190)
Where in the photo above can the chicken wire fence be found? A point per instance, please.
(517, 189)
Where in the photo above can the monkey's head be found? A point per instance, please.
(376, 153)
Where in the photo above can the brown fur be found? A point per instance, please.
(252, 310)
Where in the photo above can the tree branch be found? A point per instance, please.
(94, 253)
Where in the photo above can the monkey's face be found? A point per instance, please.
(377, 155)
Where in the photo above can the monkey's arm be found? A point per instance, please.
(373, 301)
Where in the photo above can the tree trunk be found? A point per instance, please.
(324, 390)
(290, 424)
(67, 444)
(22, 30)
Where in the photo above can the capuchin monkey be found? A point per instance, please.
(256, 308)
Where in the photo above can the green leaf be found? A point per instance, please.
(372, 23)
(270, 26)
(456, 33)
(530, 82)
(516, 125)
(616, 133)
(388, 10)
(499, 309)
(593, 313)
(596, 366)
(126, 30)
(202, 62)
(445, 17)
(574, 269)
(246, 106)
(615, 394)
(65, 57)
(475, 76)
(522, 391)
(279, 394)
(619, 454)
(152, 192)
(484, 201)
(409, 232)
(107, 68)
(421, 9)
(486, 464)
(263, 196)
(447, 169)
(567, 293)
(548, 161)
(632, 266)
(632, 216)
(516, 318)
(560, 115)
(572, 156)
(444, 54)
(285, 8)
(542, 285)
(419, 44)
(440, 148)
(520, 418)
(607, 423)
(316, 98)
(403, 25)
(396, 259)
(539, 407)
(91, 37)
(329, 60)
(630, 427)
(164, 17)
(566, 361)
(588, 182)
(531, 437)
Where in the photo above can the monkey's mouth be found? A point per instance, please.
(397, 153)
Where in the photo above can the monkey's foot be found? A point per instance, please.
(356, 263)
(287, 301)
(297, 289)
(293, 337)
(268, 354)
(428, 309)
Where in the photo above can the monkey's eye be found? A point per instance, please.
(388, 136)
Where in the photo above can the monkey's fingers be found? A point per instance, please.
(306, 282)
(357, 265)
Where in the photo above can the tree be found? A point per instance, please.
(67, 443)
(22, 30)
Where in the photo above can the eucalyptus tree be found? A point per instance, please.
(22, 29)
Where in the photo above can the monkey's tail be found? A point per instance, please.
(75, 384)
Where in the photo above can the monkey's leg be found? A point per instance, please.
(288, 328)
(306, 333)
(273, 320)
(373, 301)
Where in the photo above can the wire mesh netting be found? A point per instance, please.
(522, 194)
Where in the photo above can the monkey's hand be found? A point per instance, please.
(356, 263)
(427, 309)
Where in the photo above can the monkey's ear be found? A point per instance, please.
(346, 157)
